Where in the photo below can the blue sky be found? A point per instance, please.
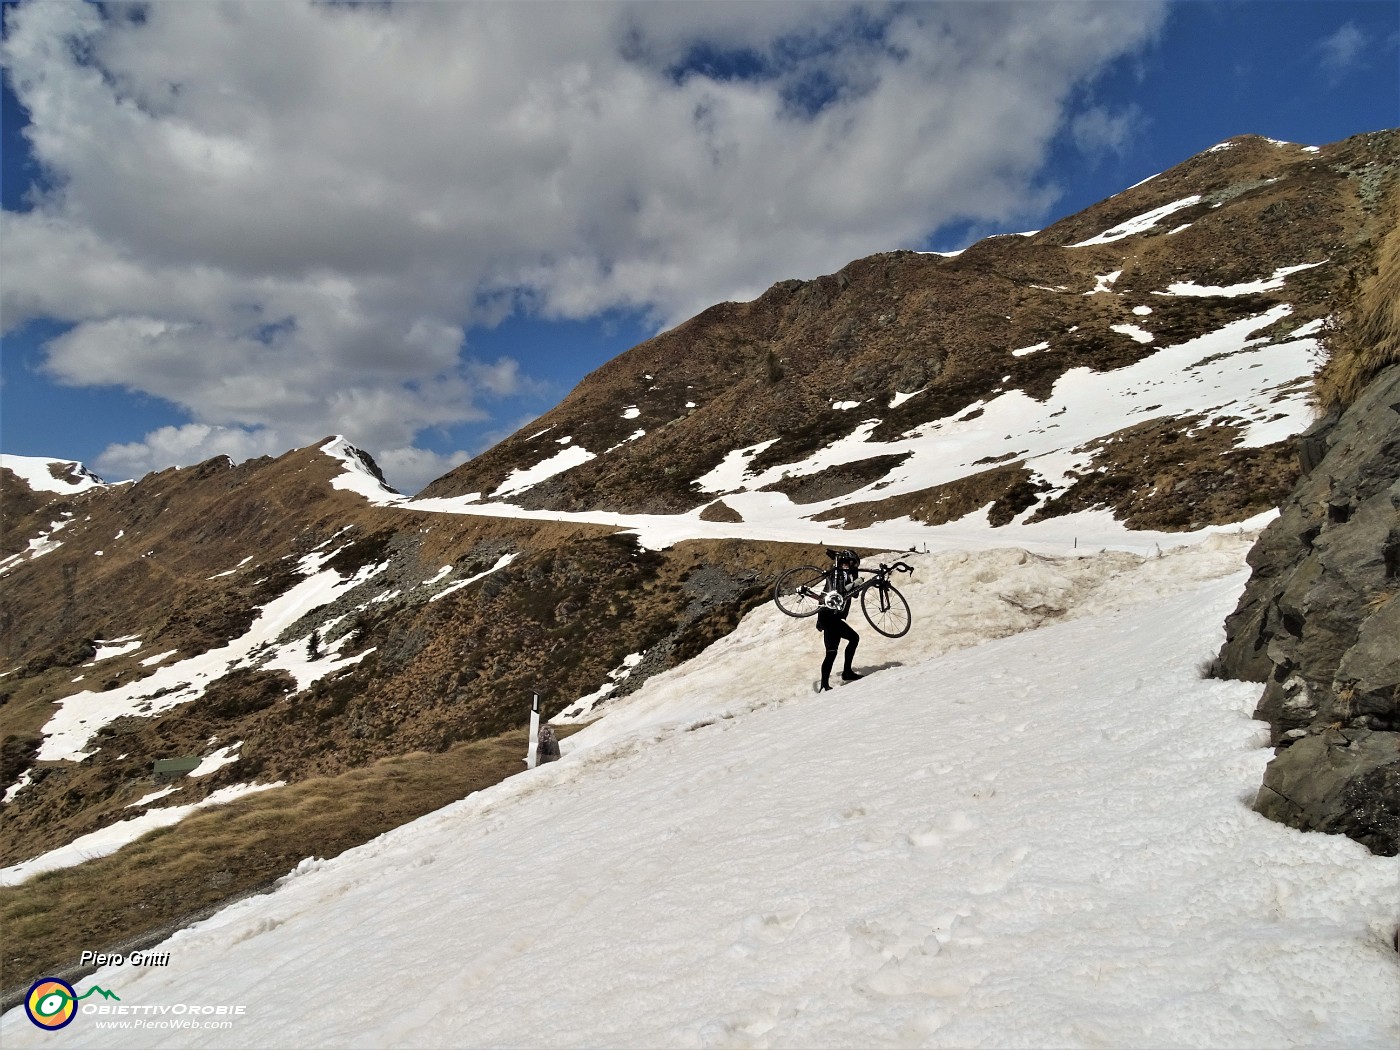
(238, 228)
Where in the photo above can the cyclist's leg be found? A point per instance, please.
(852, 640)
(831, 637)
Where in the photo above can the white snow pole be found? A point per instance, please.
(534, 730)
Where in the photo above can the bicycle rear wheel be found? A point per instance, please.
(798, 591)
(886, 610)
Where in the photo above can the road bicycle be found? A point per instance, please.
(799, 592)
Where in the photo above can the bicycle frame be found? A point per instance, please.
(882, 574)
(878, 578)
(889, 613)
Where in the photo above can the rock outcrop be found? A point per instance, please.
(1319, 623)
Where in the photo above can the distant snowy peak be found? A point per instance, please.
(362, 473)
(64, 476)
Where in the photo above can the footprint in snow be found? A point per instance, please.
(760, 930)
(998, 874)
(904, 960)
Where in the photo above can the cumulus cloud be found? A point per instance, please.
(180, 446)
(410, 469)
(277, 214)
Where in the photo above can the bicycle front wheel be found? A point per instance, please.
(886, 610)
(798, 591)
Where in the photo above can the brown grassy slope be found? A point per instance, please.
(1367, 338)
(152, 886)
(161, 539)
(576, 601)
(902, 321)
(25, 514)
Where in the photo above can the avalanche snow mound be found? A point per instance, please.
(957, 598)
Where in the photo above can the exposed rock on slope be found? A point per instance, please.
(1320, 624)
(1320, 620)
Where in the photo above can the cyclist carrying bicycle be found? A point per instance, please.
(842, 579)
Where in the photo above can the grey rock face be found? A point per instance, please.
(1340, 781)
(1319, 624)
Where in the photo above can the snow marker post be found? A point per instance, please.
(534, 730)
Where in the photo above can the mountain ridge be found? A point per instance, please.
(878, 330)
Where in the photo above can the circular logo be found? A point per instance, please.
(51, 1002)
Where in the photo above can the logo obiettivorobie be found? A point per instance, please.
(52, 1002)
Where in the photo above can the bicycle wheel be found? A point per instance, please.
(886, 610)
(798, 591)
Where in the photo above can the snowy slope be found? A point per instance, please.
(1040, 840)
(68, 733)
(36, 472)
(65, 477)
(1233, 373)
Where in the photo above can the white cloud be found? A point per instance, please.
(182, 446)
(1341, 50)
(1099, 130)
(274, 214)
(410, 469)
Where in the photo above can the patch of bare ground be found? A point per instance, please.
(1009, 489)
(163, 880)
(720, 511)
(836, 481)
(1175, 475)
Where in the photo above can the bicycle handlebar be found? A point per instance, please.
(899, 566)
(885, 570)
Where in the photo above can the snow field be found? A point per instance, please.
(1231, 373)
(1139, 223)
(34, 472)
(957, 599)
(1039, 840)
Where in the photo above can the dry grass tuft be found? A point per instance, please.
(169, 877)
(1368, 337)
(1380, 600)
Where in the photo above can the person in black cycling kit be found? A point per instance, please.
(841, 581)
